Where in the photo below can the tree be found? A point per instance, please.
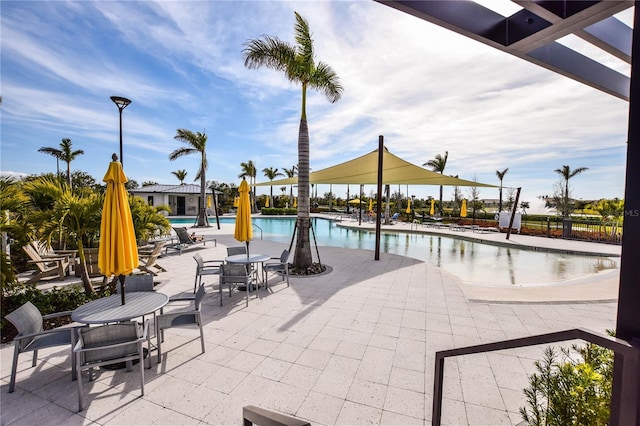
(566, 173)
(195, 143)
(271, 173)
(77, 214)
(298, 64)
(181, 175)
(290, 173)
(500, 175)
(65, 153)
(249, 170)
(149, 183)
(437, 165)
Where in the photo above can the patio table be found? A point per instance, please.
(110, 309)
(249, 260)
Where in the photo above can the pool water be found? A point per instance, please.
(472, 262)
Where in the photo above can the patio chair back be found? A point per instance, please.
(106, 337)
(136, 283)
(231, 251)
(27, 319)
(234, 274)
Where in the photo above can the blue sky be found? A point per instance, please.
(424, 88)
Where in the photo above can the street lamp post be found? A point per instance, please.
(121, 103)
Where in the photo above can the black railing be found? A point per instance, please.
(622, 413)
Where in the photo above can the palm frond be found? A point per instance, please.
(326, 80)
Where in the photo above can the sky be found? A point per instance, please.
(427, 90)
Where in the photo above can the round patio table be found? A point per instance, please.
(248, 260)
(110, 309)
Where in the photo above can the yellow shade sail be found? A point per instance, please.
(243, 230)
(118, 252)
(364, 170)
(463, 209)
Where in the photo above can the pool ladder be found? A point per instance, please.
(253, 225)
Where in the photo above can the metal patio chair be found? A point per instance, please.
(29, 322)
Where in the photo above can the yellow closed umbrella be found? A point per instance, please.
(370, 204)
(235, 201)
(463, 209)
(118, 252)
(433, 210)
(244, 230)
(208, 201)
(266, 203)
(408, 206)
(295, 202)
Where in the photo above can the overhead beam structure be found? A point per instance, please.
(533, 31)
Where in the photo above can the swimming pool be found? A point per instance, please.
(472, 262)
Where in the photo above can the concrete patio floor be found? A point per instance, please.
(354, 346)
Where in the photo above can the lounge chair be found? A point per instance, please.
(147, 260)
(46, 267)
(186, 240)
(394, 218)
(46, 251)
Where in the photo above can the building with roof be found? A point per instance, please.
(182, 199)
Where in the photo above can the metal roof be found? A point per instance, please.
(531, 33)
(170, 189)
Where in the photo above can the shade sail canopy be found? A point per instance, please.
(364, 170)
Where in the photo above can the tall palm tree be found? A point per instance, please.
(297, 63)
(181, 175)
(290, 173)
(437, 165)
(249, 170)
(567, 174)
(64, 153)
(500, 175)
(195, 143)
(271, 173)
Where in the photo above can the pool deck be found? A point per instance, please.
(354, 346)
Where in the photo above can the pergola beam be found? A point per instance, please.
(531, 33)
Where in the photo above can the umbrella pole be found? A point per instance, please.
(121, 278)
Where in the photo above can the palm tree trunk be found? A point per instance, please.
(202, 213)
(440, 205)
(302, 258)
(84, 274)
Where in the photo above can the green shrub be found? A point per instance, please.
(278, 211)
(572, 389)
(58, 299)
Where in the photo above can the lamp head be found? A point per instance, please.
(120, 102)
